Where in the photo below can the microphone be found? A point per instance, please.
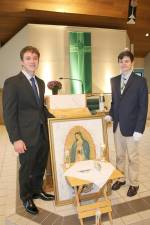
(68, 78)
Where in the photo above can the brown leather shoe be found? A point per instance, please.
(116, 186)
(132, 190)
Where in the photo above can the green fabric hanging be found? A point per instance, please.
(80, 62)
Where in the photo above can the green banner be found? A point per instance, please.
(80, 62)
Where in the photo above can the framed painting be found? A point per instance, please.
(72, 140)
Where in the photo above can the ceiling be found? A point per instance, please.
(15, 14)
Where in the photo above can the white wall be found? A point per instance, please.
(107, 44)
(52, 41)
(9, 55)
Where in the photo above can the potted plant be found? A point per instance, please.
(54, 85)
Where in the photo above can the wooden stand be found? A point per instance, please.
(88, 210)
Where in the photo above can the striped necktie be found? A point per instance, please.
(34, 87)
(123, 83)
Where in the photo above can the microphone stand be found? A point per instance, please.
(68, 78)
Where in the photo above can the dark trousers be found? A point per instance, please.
(32, 167)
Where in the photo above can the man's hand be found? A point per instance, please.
(137, 136)
(108, 118)
(20, 146)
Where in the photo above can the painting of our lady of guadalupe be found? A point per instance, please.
(79, 146)
(72, 140)
(80, 150)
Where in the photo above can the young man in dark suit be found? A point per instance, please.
(128, 112)
(25, 117)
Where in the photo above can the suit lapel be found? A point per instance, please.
(129, 83)
(118, 85)
(40, 88)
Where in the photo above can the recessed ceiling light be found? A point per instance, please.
(147, 35)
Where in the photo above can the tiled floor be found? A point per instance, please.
(7, 176)
(126, 210)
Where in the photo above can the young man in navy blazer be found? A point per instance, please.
(128, 112)
(25, 117)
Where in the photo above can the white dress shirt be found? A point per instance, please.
(28, 76)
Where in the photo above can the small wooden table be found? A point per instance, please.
(89, 210)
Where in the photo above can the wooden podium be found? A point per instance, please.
(64, 106)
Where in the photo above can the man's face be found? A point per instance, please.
(125, 64)
(30, 62)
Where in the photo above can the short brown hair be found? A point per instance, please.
(29, 49)
(126, 53)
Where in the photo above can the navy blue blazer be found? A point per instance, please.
(130, 108)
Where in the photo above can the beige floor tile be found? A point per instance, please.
(127, 199)
(123, 191)
(24, 221)
(49, 206)
(131, 219)
(106, 223)
(144, 178)
(142, 187)
(67, 212)
(64, 208)
(147, 186)
(145, 214)
(114, 195)
(117, 201)
(2, 210)
(2, 201)
(144, 194)
(118, 222)
(2, 220)
(3, 194)
(12, 218)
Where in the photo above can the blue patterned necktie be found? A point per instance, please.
(34, 87)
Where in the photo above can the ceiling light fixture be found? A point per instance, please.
(132, 12)
(147, 35)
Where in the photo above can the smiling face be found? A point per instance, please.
(30, 62)
(125, 64)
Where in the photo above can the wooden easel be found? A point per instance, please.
(89, 210)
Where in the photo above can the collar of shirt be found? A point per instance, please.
(28, 76)
(126, 75)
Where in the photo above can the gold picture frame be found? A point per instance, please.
(68, 135)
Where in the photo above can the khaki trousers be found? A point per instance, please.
(126, 146)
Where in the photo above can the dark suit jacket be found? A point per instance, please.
(130, 108)
(23, 116)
